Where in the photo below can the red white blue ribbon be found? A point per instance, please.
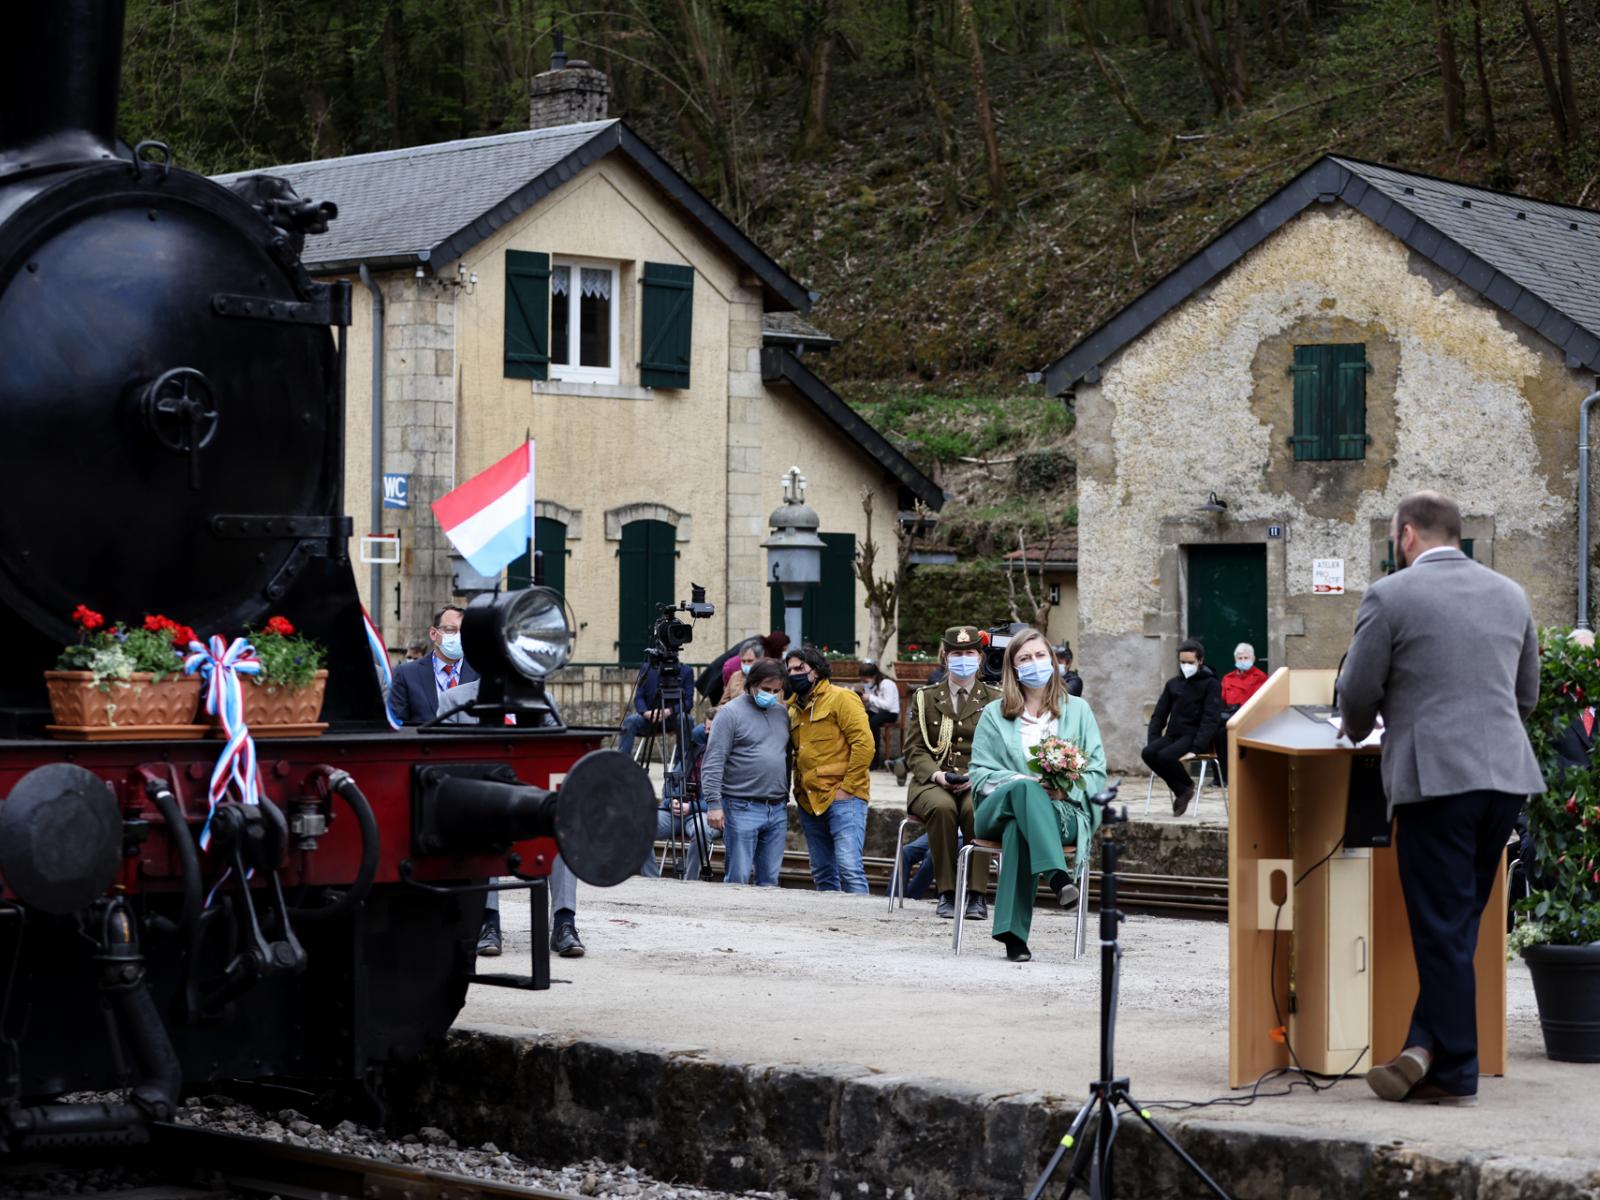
(220, 665)
(380, 664)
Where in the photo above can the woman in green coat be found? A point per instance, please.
(1031, 822)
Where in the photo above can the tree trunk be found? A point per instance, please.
(393, 39)
(999, 194)
(1491, 136)
(1118, 87)
(1455, 95)
(1569, 98)
(922, 51)
(1195, 25)
(1238, 76)
(814, 131)
(1157, 18)
(1552, 90)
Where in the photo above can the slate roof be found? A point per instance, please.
(1060, 552)
(431, 204)
(791, 329)
(1534, 260)
(779, 365)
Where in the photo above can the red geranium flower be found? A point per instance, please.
(158, 623)
(1572, 805)
(87, 618)
(182, 635)
(280, 626)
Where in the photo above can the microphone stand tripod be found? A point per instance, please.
(1091, 1157)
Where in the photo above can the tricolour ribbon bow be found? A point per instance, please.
(220, 666)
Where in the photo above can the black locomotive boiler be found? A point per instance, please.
(171, 425)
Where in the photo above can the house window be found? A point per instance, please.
(583, 322)
(1389, 565)
(550, 539)
(1330, 402)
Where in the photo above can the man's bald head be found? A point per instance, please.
(1423, 521)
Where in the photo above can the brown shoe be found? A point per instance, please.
(1432, 1093)
(1397, 1079)
(1180, 801)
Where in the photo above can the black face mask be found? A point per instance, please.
(798, 685)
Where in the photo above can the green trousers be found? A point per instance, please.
(1022, 818)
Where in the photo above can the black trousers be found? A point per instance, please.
(1449, 851)
(1162, 755)
(878, 720)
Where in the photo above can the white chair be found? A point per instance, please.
(992, 849)
(1206, 761)
(897, 880)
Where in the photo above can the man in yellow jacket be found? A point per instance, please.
(833, 746)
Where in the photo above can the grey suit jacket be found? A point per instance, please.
(1446, 651)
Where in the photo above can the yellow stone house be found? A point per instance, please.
(566, 283)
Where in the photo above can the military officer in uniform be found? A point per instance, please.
(938, 743)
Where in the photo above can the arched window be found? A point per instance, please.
(550, 539)
(646, 576)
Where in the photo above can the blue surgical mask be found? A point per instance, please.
(450, 646)
(963, 666)
(1034, 674)
(766, 700)
(745, 667)
(1244, 664)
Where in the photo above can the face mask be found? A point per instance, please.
(1188, 669)
(799, 685)
(1063, 670)
(450, 646)
(745, 667)
(1034, 674)
(963, 666)
(1244, 664)
(766, 700)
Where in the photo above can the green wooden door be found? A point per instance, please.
(828, 616)
(646, 577)
(550, 539)
(1228, 602)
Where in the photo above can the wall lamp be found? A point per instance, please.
(1213, 505)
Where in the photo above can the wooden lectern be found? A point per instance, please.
(1340, 962)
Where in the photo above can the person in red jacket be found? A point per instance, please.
(1238, 685)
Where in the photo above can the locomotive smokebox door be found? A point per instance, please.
(60, 839)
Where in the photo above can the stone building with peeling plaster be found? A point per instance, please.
(565, 282)
(1364, 333)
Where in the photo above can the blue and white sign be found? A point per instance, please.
(396, 491)
(1274, 531)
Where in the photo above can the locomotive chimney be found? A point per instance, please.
(58, 95)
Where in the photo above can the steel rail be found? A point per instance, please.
(257, 1166)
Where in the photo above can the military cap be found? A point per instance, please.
(962, 637)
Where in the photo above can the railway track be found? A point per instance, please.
(213, 1163)
(1178, 895)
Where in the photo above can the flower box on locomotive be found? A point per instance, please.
(121, 684)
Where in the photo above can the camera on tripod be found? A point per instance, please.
(994, 657)
(671, 635)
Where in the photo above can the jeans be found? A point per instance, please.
(632, 726)
(690, 833)
(833, 842)
(916, 866)
(755, 835)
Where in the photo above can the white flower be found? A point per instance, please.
(1582, 637)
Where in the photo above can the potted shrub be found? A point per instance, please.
(121, 683)
(1559, 930)
(915, 663)
(843, 665)
(285, 698)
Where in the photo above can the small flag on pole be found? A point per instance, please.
(489, 518)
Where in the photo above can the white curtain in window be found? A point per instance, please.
(560, 280)
(596, 283)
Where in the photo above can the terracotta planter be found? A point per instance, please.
(845, 668)
(137, 707)
(914, 672)
(274, 711)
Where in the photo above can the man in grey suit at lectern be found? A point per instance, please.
(1445, 649)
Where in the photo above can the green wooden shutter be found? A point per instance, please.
(1349, 401)
(527, 338)
(667, 333)
(1307, 373)
(646, 576)
(828, 615)
(550, 539)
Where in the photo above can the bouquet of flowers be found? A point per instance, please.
(1058, 763)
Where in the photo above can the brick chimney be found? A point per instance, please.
(569, 93)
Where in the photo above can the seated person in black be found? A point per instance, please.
(1185, 722)
(1071, 678)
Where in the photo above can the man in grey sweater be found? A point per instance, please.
(744, 777)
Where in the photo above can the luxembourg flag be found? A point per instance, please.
(489, 518)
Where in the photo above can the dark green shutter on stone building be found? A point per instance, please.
(646, 576)
(667, 325)
(1330, 402)
(829, 613)
(527, 337)
(550, 539)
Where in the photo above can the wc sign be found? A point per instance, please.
(396, 491)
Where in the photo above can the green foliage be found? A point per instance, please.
(1564, 822)
(1044, 470)
(971, 593)
(114, 653)
(290, 661)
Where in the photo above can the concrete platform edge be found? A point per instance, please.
(833, 1132)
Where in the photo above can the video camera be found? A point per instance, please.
(995, 656)
(671, 635)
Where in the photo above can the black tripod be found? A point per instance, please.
(1091, 1158)
(688, 834)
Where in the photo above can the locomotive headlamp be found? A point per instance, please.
(528, 631)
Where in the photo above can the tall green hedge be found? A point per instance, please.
(972, 593)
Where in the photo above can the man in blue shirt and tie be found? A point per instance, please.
(414, 695)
